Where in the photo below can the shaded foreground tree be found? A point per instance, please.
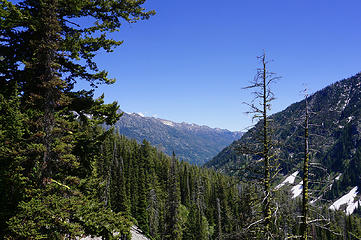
(45, 51)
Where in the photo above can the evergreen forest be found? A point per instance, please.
(64, 176)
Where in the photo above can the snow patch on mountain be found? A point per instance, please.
(169, 123)
(290, 180)
(350, 118)
(348, 200)
(297, 190)
(338, 177)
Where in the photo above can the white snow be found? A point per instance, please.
(338, 177)
(315, 200)
(89, 116)
(136, 233)
(140, 114)
(169, 123)
(297, 190)
(352, 206)
(347, 101)
(350, 118)
(349, 200)
(290, 179)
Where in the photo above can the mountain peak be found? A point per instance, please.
(191, 142)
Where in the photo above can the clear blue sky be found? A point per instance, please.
(190, 61)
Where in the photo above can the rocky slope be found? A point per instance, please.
(335, 136)
(190, 142)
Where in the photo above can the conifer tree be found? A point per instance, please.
(46, 52)
(219, 220)
(12, 178)
(173, 202)
(143, 187)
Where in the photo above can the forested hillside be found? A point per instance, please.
(335, 136)
(169, 199)
(190, 142)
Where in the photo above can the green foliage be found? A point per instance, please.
(340, 135)
(62, 176)
(52, 175)
(59, 212)
(166, 197)
(12, 178)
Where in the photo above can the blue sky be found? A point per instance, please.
(190, 61)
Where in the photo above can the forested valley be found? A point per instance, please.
(63, 176)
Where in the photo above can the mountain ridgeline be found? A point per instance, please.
(190, 142)
(335, 135)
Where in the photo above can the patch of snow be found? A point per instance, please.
(346, 103)
(90, 238)
(350, 118)
(290, 179)
(137, 234)
(88, 115)
(339, 126)
(352, 207)
(315, 200)
(297, 190)
(75, 114)
(338, 177)
(169, 123)
(347, 199)
(140, 114)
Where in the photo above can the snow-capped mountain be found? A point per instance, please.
(190, 142)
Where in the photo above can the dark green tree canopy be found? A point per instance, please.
(46, 47)
(83, 29)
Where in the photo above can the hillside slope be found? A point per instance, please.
(335, 135)
(190, 142)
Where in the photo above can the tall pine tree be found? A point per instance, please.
(45, 51)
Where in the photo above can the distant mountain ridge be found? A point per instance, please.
(336, 136)
(190, 142)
